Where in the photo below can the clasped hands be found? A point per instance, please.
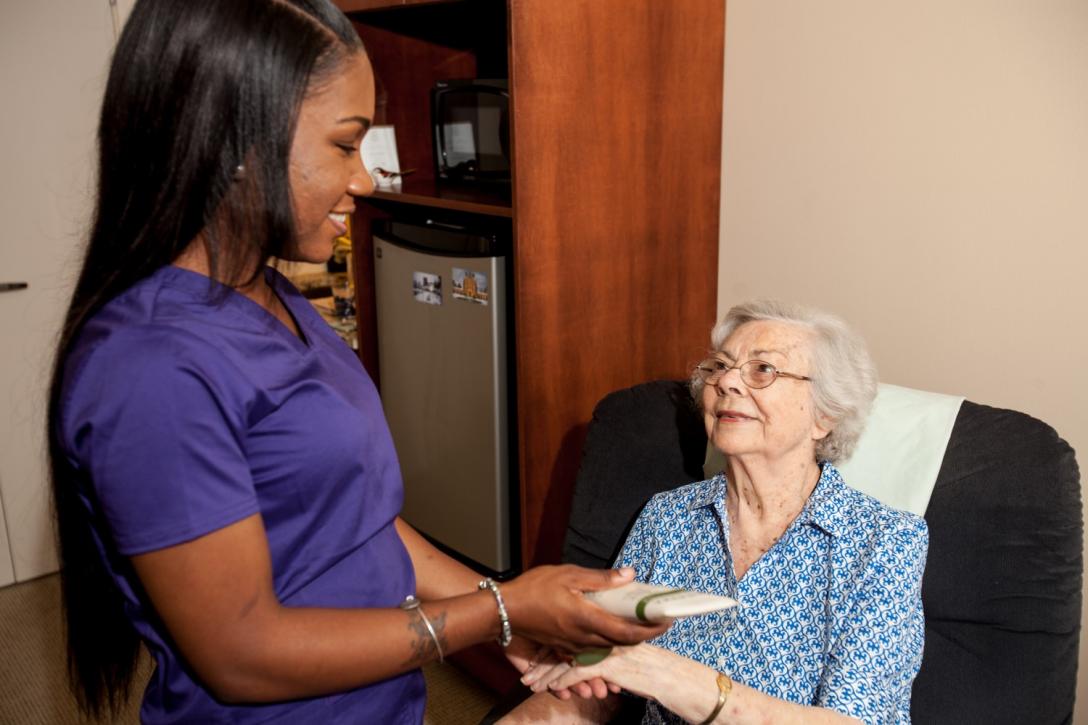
(554, 622)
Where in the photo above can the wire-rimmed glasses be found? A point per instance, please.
(756, 374)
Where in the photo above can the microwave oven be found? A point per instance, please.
(471, 120)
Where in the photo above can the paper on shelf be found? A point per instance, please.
(379, 151)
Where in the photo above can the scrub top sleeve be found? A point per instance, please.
(163, 442)
(872, 664)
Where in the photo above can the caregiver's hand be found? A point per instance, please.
(545, 604)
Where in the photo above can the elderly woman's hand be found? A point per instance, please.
(683, 686)
(545, 659)
(642, 669)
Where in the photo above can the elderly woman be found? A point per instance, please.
(830, 625)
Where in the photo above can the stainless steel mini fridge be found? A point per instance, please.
(442, 355)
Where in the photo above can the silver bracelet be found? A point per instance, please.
(507, 634)
(410, 603)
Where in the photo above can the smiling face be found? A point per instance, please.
(326, 170)
(775, 422)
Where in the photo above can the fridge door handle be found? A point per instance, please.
(12, 286)
(446, 226)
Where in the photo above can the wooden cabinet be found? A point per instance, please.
(616, 132)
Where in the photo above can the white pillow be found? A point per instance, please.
(899, 455)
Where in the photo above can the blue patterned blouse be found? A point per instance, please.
(831, 615)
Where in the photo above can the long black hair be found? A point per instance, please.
(197, 89)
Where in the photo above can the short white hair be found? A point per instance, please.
(844, 378)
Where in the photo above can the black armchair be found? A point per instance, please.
(1002, 588)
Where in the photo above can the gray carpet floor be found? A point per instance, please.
(34, 689)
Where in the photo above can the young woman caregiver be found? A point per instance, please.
(225, 485)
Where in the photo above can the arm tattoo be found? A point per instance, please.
(424, 647)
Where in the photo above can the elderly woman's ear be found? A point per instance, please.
(822, 426)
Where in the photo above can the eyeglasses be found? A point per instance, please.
(756, 374)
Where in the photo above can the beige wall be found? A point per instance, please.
(922, 169)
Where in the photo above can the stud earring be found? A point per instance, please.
(239, 172)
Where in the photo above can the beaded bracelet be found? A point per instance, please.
(411, 603)
(507, 634)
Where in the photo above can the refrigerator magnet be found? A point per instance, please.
(469, 285)
(427, 288)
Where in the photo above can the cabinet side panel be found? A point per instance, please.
(617, 136)
(362, 257)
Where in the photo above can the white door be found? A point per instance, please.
(54, 58)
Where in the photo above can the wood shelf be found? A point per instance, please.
(492, 201)
(358, 6)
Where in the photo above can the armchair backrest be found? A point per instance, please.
(1003, 581)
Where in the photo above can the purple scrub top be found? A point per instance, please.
(187, 407)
